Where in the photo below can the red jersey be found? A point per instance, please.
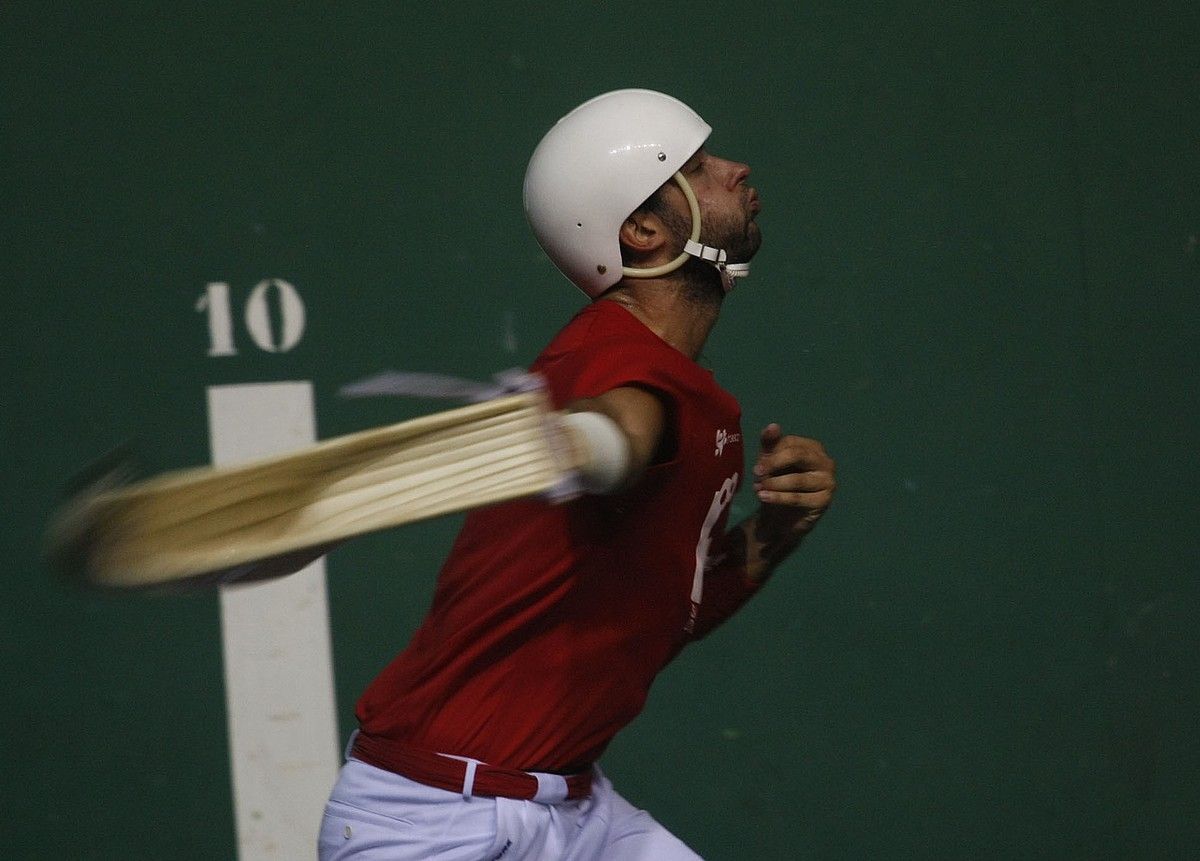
(549, 622)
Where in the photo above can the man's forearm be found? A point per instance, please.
(764, 545)
(747, 554)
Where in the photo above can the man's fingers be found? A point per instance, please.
(794, 479)
(818, 501)
(809, 482)
(794, 454)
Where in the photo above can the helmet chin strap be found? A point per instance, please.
(694, 248)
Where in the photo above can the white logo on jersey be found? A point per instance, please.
(723, 439)
(721, 499)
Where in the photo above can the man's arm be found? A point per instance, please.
(615, 457)
(794, 482)
(793, 477)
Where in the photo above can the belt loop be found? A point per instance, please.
(350, 745)
(468, 786)
(552, 788)
(469, 779)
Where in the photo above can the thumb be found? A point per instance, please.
(771, 435)
(769, 438)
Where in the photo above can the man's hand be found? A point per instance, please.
(794, 480)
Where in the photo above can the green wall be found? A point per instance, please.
(980, 286)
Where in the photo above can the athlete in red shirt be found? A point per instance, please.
(550, 622)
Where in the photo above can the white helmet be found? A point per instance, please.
(597, 165)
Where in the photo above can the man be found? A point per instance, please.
(550, 622)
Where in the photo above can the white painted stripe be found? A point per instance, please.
(283, 740)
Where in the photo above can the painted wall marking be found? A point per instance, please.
(280, 703)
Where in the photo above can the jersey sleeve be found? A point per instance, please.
(595, 367)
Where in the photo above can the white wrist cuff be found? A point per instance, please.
(607, 463)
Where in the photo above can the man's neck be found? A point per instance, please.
(670, 309)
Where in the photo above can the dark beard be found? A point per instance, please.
(739, 240)
(702, 283)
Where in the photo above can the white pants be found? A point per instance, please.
(374, 815)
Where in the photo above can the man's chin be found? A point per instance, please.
(746, 250)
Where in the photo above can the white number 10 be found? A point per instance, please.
(215, 300)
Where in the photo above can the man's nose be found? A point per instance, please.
(738, 174)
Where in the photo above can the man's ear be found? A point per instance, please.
(643, 233)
